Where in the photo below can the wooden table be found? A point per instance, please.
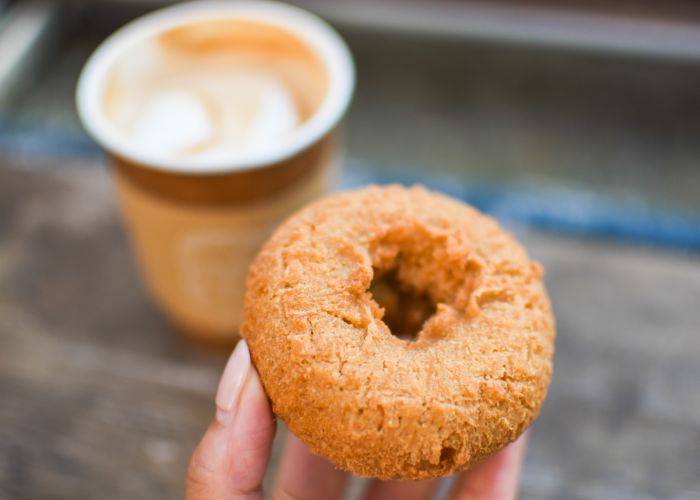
(100, 398)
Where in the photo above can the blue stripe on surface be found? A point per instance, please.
(551, 207)
(45, 142)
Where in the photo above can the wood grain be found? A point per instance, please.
(100, 398)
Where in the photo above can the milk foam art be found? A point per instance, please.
(197, 109)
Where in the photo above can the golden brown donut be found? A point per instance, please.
(377, 405)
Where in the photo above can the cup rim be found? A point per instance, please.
(319, 35)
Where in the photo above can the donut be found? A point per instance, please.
(398, 332)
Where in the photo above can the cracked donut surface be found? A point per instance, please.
(469, 382)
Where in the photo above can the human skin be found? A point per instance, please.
(233, 455)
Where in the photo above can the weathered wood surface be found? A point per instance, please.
(99, 398)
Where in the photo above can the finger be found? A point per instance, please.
(231, 459)
(406, 490)
(305, 476)
(496, 478)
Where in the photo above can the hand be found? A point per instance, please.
(231, 459)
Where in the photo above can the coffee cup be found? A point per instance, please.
(219, 119)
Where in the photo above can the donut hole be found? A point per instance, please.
(447, 454)
(405, 309)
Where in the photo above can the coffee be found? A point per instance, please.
(213, 90)
(220, 119)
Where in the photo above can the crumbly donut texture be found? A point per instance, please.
(376, 404)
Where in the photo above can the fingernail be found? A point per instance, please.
(232, 382)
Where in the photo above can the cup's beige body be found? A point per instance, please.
(195, 235)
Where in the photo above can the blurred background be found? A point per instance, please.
(575, 123)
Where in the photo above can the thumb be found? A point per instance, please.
(231, 459)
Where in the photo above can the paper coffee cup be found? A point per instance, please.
(220, 119)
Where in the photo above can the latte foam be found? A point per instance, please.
(204, 101)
